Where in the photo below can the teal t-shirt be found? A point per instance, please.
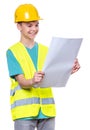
(15, 69)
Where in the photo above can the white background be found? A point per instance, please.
(64, 18)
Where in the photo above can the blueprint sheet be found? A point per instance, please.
(59, 61)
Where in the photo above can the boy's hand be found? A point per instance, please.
(76, 66)
(38, 76)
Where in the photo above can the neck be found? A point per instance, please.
(27, 42)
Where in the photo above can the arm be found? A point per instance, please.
(76, 66)
(27, 83)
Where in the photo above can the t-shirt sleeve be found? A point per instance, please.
(14, 67)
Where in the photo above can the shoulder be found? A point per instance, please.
(15, 45)
(42, 49)
(12, 46)
(42, 46)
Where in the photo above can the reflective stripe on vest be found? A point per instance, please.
(32, 101)
(25, 102)
(12, 91)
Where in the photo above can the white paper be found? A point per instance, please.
(59, 61)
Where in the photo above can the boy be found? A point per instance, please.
(30, 107)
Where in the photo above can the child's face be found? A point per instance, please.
(29, 29)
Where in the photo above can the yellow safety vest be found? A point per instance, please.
(27, 102)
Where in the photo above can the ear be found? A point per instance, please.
(19, 26)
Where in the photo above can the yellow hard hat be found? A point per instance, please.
(26, 13)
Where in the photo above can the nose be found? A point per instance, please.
(33, 28)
